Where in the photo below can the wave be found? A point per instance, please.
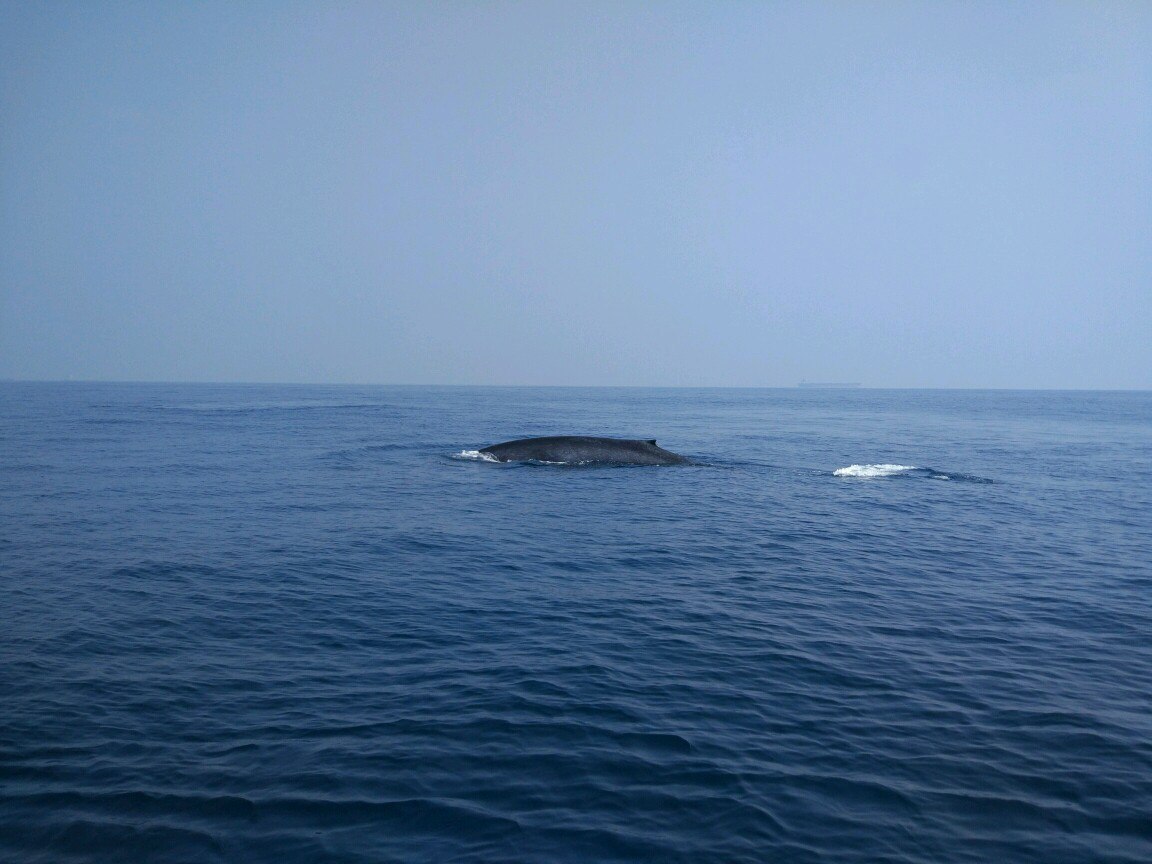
(475, 455)
(891, 470)
(873, 470)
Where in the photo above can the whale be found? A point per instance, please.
(583, 449)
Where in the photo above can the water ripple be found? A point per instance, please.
(276, 625)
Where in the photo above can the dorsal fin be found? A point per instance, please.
(652, 441)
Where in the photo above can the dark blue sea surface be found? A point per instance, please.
(298, 624)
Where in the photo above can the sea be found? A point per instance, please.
(270, 623)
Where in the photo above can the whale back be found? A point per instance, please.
(584, 449)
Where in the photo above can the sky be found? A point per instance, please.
(902, 194)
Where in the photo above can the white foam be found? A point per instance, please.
(475, 454)
(872, 470)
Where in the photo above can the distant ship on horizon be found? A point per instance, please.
(830, 385)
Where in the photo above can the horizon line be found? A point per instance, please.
(800, 386)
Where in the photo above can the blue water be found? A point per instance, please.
(291, 624)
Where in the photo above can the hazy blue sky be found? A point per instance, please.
(714, 193)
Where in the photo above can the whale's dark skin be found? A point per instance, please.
(584, 449)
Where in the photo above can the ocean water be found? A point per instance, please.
(295, 624)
